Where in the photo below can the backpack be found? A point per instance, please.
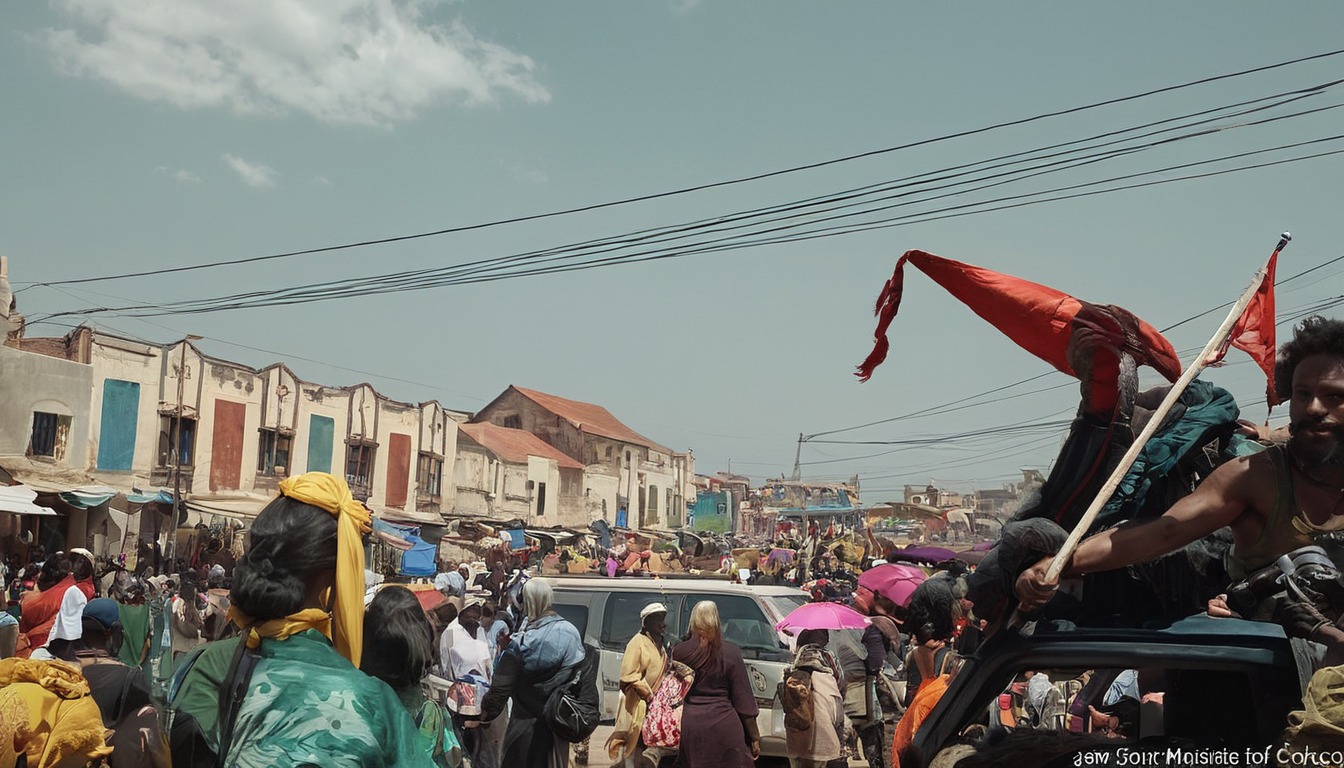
(573, 708)
(795, 695)
(190, 745)
(124, 699)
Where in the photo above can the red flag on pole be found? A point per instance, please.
(1254, 330)
(1037, 318)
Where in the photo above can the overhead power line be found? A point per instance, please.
(710, 185)
(416, 281)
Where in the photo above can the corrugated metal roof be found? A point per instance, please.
(415, 516)
(590, 418)
(515, 445)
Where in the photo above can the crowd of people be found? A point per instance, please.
(278, 661)
(291, 654)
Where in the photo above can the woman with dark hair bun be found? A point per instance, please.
(289, 684)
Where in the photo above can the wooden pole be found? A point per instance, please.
(1208, 355)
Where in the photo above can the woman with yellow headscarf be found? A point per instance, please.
(298, 600)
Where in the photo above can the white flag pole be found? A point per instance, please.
(1208, 355)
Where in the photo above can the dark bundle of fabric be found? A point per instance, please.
(932, 612)
(1197, 435)
(1023, 543)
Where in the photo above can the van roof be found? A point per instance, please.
(675, 586)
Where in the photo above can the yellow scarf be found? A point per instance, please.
(345, 624)
(280, 629)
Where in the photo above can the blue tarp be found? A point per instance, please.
(419, 559)
(514, 538)
(83, 499)
(158, 497)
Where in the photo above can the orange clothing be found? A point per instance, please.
(39, 615)
(925, 700)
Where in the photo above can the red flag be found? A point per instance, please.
(1037, 318)
(1254, 331)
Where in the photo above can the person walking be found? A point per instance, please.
(185, 622)
(466, 657)
(718, 719)
(642, 666)
(814, 723)
(540, 658)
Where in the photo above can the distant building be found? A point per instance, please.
(105, 426)
(507, 474)
(629, 480)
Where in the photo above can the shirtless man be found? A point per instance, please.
(1275, 501)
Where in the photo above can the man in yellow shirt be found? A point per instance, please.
(641, 668)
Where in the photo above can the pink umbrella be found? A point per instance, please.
(893, 581)
(822, 616)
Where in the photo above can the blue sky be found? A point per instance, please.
(143, 136)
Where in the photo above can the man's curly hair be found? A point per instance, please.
(1315, 335)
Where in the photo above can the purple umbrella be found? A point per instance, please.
(822, 616)
(921, 555)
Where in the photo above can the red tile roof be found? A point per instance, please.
(593, 419)
(515, 445)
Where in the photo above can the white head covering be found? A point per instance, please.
(69, 623)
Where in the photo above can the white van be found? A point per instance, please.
(606, 611)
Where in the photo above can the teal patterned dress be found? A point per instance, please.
(307, 705)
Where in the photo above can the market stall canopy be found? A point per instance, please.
(154, 496)
(419, 559)
(930, 555)
(393, 535)
(429, 598)
(240, 506)
(92, 496)
(959, 517)
(18, 499)
(415, 516)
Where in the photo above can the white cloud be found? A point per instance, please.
(253, 174)
(527, 176)
(375, 62)
(321, 181)
(180, 175)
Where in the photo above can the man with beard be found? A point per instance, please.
(1281, 499)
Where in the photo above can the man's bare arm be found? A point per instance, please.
(1219, 501)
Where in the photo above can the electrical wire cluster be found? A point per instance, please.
(1000, 182)
(912, 199)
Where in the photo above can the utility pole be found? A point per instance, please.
(171, 547)
(797, 461)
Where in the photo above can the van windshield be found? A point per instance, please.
(743, 622)
(784, 604)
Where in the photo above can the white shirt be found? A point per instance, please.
(465, 656)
